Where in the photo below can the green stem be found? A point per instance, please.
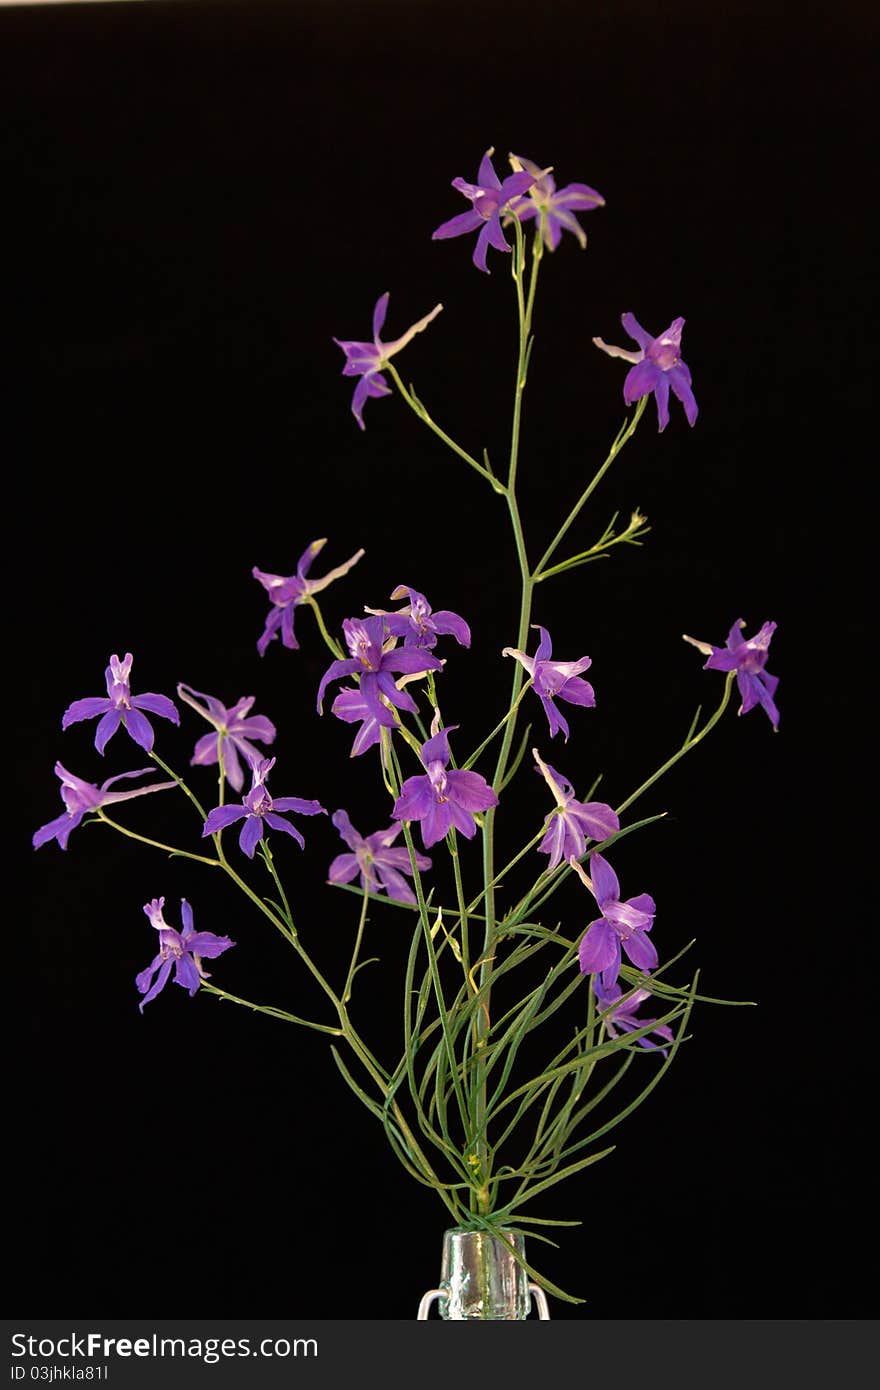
(625, 433)
(483, 1018)
(180, 782)
(285, 928)
(382, 1083)
(498, 727)
(452, 844)
(269, 861)
(319, 619)
(539, 894)
(435, 978)
(272, 1012)
(416, 405)
(346, 993)
(156, 844)
(475, 902)
(358, 1047)
(686, 747)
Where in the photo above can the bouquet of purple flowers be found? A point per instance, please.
(476, 1103)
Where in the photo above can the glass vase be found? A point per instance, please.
(481, 1279)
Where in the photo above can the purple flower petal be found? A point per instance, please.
(296, 803)
(641, 951)
(577, 692)
(599, 948)
(139, 728)
(435, 822)
(379, 313)
(680, 381)
(415, 799)
(626, 917)
(187, 975)
(410, 661)
(336, 669)
(451, 624)
(279, 823)
(561, 840)
(142, 980)
(635, 330)
(205, 943)
(483, 241)
(606, 885)
(436, 749)
(470, 790)
(545, 646)
(58, 829)
(107, 728)
(343, 868)
(598, 820)
(640, 381)
(270, 631)
(395, 884)
(89, 708)
(486, 173)
(221, 817)
(457, 226)
(461, 819)
(384, 681)
(251, 835)
(341, 821)
(661, 396)
(351, 706)
(205, 750)
(157, 704)
(555, 718)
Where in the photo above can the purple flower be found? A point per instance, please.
(658, 366)
(182, 950)
(259, 809)
(442, 799)
(553, 208)
(623, 1016)
(623, 924)
(375, 665)
(573, 822)
(81, 797)
(287, 593)
(119, 706)
(747, 656)
(418, 624)
(351, 706)
(490, 198)
(367, 360)
(555, 679)
(378, 864)
(235, 728)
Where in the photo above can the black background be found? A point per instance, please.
(199, 196)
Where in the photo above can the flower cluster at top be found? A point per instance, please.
(528, 194)
(491, 201)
